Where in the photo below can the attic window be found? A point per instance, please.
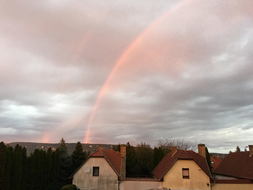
(185, 172)
(95, 171)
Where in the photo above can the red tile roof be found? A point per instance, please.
(215, 162)
(237, 164)
(112, 157)
(169, 160)
(97, 153)
(234, 181)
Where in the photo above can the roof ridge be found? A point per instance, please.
(187, 152)
(108, 160)
(196, 154)
(176, 158)
(169, 160)
(183, 152)
(180, 152)
(94, 152)
(103, 155)
(116, 152)
(83, 163)
(236, 164)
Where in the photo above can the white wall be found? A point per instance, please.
(107, 179)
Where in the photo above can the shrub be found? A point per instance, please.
(69, 187)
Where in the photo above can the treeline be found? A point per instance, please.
(142, 159)
(50, 170)
(41, 170)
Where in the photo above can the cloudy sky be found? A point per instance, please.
(118, 71)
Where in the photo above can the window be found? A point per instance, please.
(95, 171)
(185, 172)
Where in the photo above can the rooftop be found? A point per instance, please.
(169, 160)
(237, 164)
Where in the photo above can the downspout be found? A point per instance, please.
(119, 184)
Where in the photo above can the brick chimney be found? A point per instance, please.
(123, 162)
(202, 150)
(100, 147)
(174, 150)
(250, 150)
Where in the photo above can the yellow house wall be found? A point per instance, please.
(107, 178)
(232, 186)
(198, 179)
(140, 185)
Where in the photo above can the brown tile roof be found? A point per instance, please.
(169, 160)
(237, 164)
(215, 162)
(112, 157)
(97, 153)
(234, 181)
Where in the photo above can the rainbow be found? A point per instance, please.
(124, 56)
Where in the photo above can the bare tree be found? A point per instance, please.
(181, 144)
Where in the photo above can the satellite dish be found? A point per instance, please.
(86, 169)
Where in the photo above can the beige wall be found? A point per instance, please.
(198, 178)
(107, 178)
(223, 177)
(219, 186)
(140, 185)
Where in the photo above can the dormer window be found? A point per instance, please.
(185, 173)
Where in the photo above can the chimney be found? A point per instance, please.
(123, 162)
(202, 150)
(174, 150)
(100, 147)
(250, 150)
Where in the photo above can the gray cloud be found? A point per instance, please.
(189, 75)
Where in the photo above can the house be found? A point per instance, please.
(103, 169)
(106, 170)
(181, 169)
(236, 165)
(235, 171)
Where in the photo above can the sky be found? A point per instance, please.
(127, 71)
